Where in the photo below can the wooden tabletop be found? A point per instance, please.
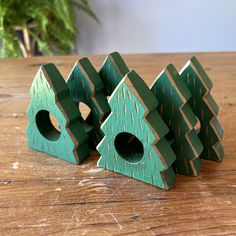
(42, 195)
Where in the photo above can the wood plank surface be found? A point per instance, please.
(42, 195)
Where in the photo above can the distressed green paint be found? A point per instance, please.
(112, 72)
(49, 93)
(205, 108)
(133, 110)
(86, 86)
(173, 95)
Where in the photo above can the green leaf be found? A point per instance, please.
(51, 23)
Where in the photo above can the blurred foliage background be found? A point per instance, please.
(39, 27)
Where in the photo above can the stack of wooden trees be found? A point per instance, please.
(147, 133)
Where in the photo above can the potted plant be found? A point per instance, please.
(33, 27)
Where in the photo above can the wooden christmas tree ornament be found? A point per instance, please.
(86, 86)
(134, 143)
(112, 72)
(173, 96)
(205, 108)
(50, 95)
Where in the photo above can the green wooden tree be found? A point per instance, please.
(173, 95)
(50, 94)
(205, 108)
(86, 86)
(134, 143)
(112, 72)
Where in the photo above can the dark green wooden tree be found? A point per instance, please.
(86, 86)
(112, 72)
(50, 94)
(205, 108)
(134, 143)
(173, 96)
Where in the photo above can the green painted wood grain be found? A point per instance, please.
(112, 72)
(133, 110)
(173, 96)
(50, 94)
(205, 108)
(86, 86)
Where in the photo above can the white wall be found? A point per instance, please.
(138, 26)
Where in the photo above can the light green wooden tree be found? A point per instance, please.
(134, 143)
(112, 72)
(173, 95)
(86, 86)
(50, 94)
(205, 108)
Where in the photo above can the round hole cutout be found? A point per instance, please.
(48, 125)
(198, 126)
(86, 115)
(170, 137)
(54, 122)
(129, 147)
(84, 110)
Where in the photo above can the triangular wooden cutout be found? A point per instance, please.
(86, 86)
(50, 95)
(205, 108)
(112, 72)
(134, 143)
(173, 96)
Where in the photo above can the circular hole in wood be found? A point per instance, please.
(129, 147)
(48, 125)
(54, 122)
(86, 115)
(84, 110)
(197, 127)
(170, 137)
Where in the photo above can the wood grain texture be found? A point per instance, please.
(134, 116)
(41, 195)
(173, 96)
